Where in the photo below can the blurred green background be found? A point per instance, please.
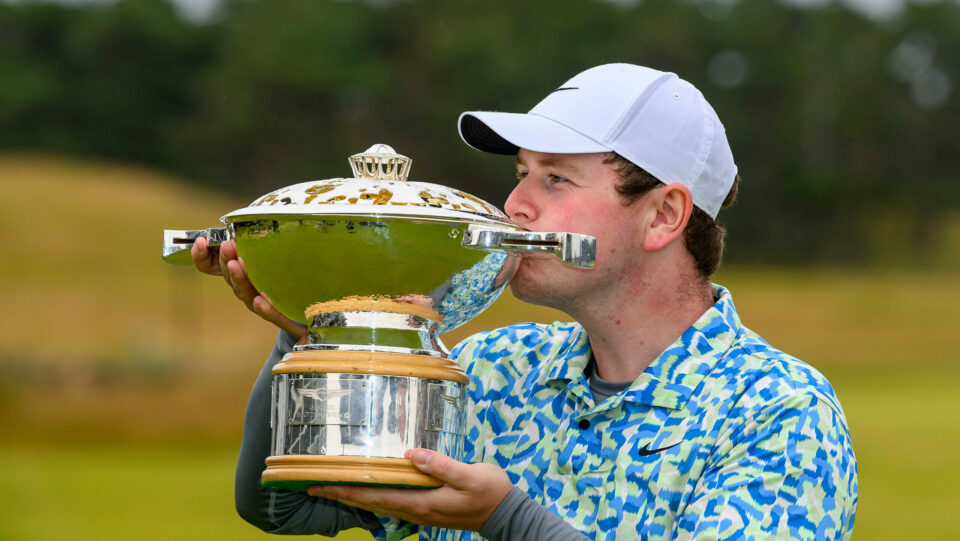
(123, 380)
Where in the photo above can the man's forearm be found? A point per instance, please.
(282, 511)
(519, 517)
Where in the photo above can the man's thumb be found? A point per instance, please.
(438, 465)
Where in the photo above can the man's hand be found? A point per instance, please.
(469, 495)
(225, 262)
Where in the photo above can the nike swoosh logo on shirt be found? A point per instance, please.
(646, 451)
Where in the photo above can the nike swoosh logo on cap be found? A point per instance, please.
(566, 88)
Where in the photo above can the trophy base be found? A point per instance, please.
(297, 472)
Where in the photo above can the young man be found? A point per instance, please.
(657, 414)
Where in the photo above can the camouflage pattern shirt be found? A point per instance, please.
(721, 437)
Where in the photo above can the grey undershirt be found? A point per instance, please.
(601, 388)
(293, 512)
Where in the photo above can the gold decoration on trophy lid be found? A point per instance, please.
(380, 162)
(378, 188)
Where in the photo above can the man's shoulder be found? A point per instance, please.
(766, 377)
(514, 350)
(519, 339)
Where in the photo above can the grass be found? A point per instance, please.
(81, 269)
(123, 492)
(123, 380)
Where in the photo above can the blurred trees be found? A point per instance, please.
(844, 128)
(113, 81)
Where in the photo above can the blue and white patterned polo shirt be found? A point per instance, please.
(721, 437)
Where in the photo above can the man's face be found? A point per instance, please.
(573, 193)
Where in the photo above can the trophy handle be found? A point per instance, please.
(572, 248)
(177, 242)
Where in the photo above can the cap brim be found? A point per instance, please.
(506, 133)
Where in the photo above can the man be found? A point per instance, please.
(657, 414)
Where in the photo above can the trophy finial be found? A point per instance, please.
(380, 162)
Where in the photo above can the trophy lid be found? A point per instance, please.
(379, 187)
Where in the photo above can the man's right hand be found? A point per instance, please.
(225, 262)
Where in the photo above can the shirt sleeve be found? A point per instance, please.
(787, 473)
(283, 511)
(520, 518)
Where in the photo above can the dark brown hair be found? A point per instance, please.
(703, 236)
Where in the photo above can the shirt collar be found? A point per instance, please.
(570, 357)
(676, 373)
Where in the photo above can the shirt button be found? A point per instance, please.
(583, 424)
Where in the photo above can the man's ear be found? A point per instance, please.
(672, 205)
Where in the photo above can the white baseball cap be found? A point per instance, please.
(653, 118)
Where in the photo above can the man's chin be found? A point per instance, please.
(542, 279)
(528, 290)
(528, 296)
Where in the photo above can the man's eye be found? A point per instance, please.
(521, 175)
(554, 179)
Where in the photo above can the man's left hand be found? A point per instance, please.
(469, 495)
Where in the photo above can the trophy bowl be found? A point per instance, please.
(376, 268)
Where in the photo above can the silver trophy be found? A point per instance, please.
(376, 267)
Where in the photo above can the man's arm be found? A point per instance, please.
(787, 473)
(282, 511)
(518, 517)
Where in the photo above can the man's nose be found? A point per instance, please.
(519, 205)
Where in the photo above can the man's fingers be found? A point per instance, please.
(355, 496)
(400, 503)
(199, 249)
(229, 248)
(265, 309)
(467, 499)
(203, 257)
(444, 468)
(224, 259)
(242, 287)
